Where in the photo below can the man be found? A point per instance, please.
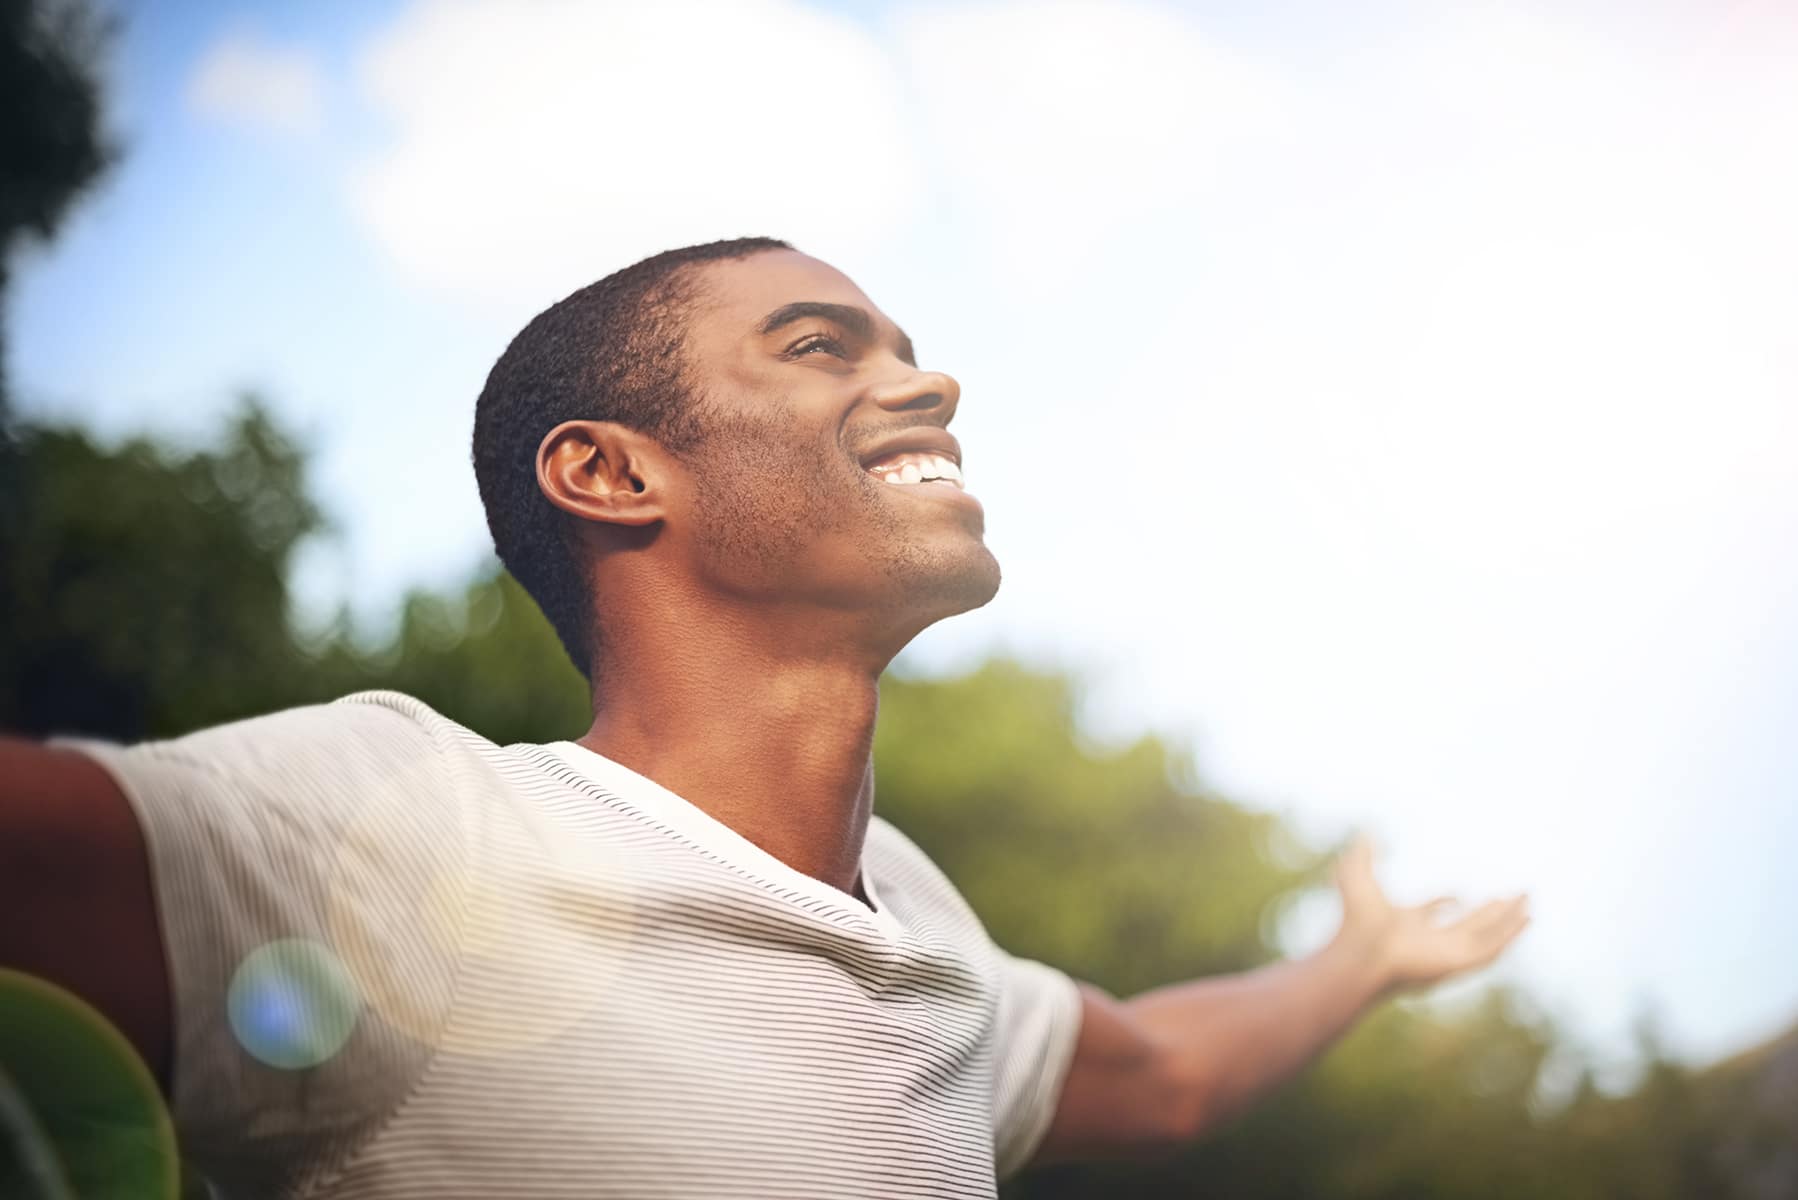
(372, 954)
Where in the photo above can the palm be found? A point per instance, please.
(1416, 945)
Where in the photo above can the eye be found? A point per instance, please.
(824, 342)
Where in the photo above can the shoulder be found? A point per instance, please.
(273, 801)
(908, 881)
(386, 722)
(899, 859)
(346, 834)
(366, 738)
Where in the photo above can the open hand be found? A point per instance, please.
(1418, 946)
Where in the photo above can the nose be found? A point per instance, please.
(922, 391)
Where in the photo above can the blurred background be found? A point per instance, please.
(1386, 415)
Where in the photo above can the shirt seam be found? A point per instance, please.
(306, 1189)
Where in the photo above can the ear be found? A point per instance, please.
(603, 471)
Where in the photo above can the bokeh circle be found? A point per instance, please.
(292, 1004)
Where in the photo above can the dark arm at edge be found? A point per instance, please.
(75, 888)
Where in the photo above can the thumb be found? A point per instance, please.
(1354, 871)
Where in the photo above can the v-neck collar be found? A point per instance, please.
(700, 827)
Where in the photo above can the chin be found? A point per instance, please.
(980, 582)
(945, 584)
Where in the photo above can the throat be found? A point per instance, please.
(783, 757)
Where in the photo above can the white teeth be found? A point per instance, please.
(917, 467)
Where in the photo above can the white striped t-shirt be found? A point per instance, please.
(408, 962)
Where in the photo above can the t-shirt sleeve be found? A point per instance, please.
(306, 868)
(1039, 1022)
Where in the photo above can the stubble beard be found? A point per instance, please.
(767, 501)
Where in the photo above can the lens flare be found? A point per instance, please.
(292, 1004)
(567, 894)
(80, 1113)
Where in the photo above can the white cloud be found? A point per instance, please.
(258, 85)
(1061, 123)
(536, 147)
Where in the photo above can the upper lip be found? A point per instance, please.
(928, 439)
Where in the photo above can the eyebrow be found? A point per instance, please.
(855, 320)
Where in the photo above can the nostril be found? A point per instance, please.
(921, 391)
(923, 400)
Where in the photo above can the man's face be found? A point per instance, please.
(813, 481)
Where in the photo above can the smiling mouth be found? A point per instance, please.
(912, 467)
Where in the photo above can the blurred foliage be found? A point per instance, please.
(146, 589)
(52, 143)
(487, 656)
(146, 596)
(52, 139)
(1174, 881)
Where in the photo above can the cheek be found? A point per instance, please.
(761, 491)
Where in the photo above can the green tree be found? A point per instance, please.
(1115, 864)
(147, 588)
(53, 145)
(486, 656)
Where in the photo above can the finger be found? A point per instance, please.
(1435, 909)
(1477, 922)
(1499, 931)
(1501, 937)
(1479, 917)
(1477, 948)
(1506, 931)
(1354, 866)
(1357, 857)
(1355, 880)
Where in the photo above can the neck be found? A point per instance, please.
(775, 743)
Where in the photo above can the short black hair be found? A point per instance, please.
(610, 352)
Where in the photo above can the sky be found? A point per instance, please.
(1397, 401)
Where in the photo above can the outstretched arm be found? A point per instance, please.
(1157, 1070)
(76, 904)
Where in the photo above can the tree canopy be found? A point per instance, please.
(53, 143)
